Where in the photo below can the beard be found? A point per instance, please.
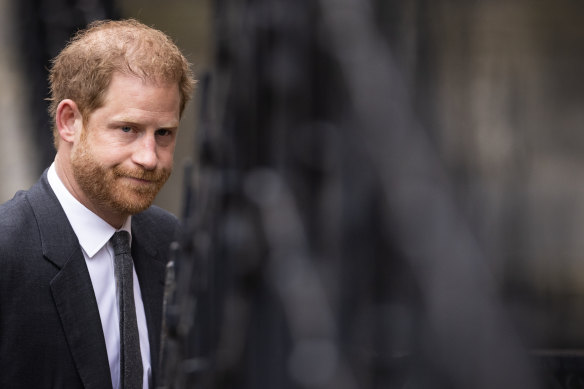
(113, 188)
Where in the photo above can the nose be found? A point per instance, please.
(145, 154)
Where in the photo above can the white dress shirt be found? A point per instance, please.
(94, 234)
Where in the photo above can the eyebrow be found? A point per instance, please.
(130, 122)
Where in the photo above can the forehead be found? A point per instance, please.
(132, 97)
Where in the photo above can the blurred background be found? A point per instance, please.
(413, 167)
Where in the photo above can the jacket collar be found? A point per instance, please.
(71, 287)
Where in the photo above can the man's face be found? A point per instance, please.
(124, 154)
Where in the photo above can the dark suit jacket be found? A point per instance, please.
(50, 330)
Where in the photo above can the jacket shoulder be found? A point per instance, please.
(15, 214)
(19, 232)
(159, 226)
(157, 218)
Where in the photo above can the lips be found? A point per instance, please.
(139, 179)
(142, 181)
(144, 175)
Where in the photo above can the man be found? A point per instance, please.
(67, 315)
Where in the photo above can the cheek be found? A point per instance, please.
(110, 151)
(166, 157)
(110, 156)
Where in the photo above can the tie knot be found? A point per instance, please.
(121, 242)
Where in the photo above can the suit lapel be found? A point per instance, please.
(150, 270)
(71, 288)
(75, 301)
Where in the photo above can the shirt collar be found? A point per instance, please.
(92, 231)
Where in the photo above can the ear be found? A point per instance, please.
(68, 120)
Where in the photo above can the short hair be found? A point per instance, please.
(83, 70)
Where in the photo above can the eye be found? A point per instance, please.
(163, 132)
(126, 128)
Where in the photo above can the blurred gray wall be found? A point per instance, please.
(505, 98)
(508, 105)
(17, 149)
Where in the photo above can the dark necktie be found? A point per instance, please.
(130, 360)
